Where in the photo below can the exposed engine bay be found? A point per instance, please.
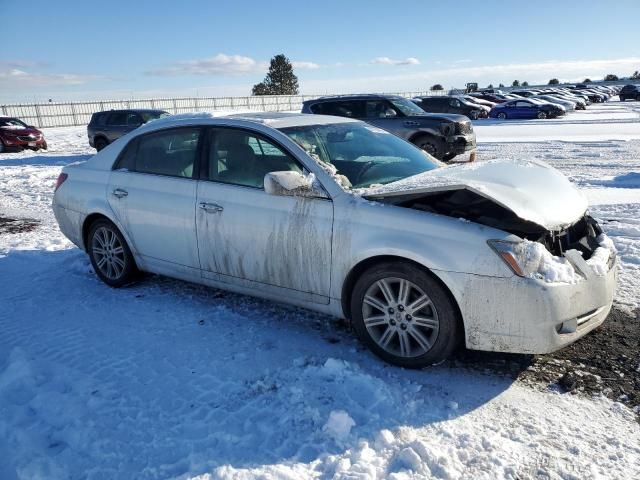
(463, 203)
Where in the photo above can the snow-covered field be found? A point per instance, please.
(171, 380)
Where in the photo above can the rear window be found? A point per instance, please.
(349, 108)
(98, 119)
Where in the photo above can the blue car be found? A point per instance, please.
(526, 108)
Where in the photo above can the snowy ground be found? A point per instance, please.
(171, 380)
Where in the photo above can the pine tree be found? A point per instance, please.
(437, 86)
(586, 80)
(611, 78)
(515, 83)
(636, 75)
(554, 81)
(525, 84)
(490, 85)
(501, 85)
(280, 79)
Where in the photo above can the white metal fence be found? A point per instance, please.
(79, 113)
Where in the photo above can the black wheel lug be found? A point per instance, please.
(401, 308)
(403, 326)
(392, 322)
(408, 317)
(391, 311)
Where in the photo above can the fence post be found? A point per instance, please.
(175, 109)
(38, 115)
(73, 114)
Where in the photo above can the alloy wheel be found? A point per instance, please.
(400, 317)
(108, 253)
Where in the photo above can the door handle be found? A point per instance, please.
(211, 207)
(411, 123)
(118, 192)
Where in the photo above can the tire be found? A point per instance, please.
(473, 115)
(100, 143)
(45, 146)
(622, 99)
(502, 116)
(449, 156)
(542, 115)
(422, 331)
(110, 255)
(2, 147)
(431, 145)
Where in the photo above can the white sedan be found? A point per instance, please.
(341, 217)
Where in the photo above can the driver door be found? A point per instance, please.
(280, 245)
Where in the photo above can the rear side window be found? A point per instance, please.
(349, 109)
(118, 118)
(168, 152)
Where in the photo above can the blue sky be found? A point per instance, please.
(134, 49)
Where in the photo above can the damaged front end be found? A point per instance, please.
(562, 254)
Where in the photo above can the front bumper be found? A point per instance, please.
(17, 143)
(461, 143)
(524, 315)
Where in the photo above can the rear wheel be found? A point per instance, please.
(542, 115)
(473, 115)
(502, 116)
(100, 143)
(431, 145)
(2, 148)
(110, 255)
(404, 315)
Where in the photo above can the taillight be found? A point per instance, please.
(61, 178)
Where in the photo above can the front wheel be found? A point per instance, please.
(473, 115)
(542, 115)
(502, 116)
(431, 145)
(110, 255)
(404, 315)
(100, 143)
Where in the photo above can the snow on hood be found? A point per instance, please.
(533, 190)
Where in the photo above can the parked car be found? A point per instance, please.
(581, 103)
(525, 108)
(106, 127)
(567, 104)
(442, 135)
(446, 104)
(16, 135)
(490, 97)
(594, 96)
(629, 92)
(479, 101)
(288, 207)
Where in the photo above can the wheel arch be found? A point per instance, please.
(362, 266)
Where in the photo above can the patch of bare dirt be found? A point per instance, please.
(17, 225)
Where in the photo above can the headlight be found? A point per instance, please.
(447, 128)
(514, 255)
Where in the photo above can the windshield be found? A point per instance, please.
(407, 107)
(12, 123)
(148, 116)
(364, 154)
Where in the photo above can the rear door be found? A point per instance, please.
(255, 240)
(116, 125)
(152, 190)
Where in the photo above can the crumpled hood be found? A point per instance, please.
(533, 190)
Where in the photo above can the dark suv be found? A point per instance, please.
(445, 104)
(443, 136)
(105, 127)
(629, 92)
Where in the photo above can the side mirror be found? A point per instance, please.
(390, 113)
(293, 184)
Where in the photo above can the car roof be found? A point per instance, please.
(270, 119)
(355, 96)
(136, 110)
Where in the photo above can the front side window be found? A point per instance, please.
(454, 103)
(133, 119)
(243, 158)
(167, 152)
(364, 154)
(407, 107)
(148, 116)
(379, 109)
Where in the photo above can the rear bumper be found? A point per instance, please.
(523, 315)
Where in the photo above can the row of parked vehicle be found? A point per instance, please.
(440, 125)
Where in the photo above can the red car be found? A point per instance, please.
(17, 135)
